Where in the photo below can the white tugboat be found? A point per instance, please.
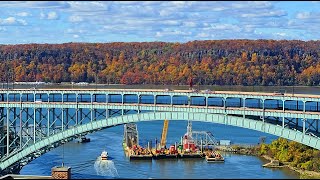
(104, 155)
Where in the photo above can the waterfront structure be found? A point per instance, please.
(33, 121)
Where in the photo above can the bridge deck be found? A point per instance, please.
(160, 90)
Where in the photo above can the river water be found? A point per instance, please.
(82, 158)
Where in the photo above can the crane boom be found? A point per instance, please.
(164, 133)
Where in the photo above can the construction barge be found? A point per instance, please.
(189, 147)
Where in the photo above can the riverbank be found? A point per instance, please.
(304, 174)
(253, 151)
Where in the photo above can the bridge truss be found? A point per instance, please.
(28, 117)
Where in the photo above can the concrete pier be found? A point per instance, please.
(61, 172)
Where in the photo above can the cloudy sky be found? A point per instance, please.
(171, 21)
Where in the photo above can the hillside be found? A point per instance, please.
(221, 62)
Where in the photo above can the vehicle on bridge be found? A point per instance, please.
(278, 93)
(38, 101)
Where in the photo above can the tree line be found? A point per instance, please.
(210, 62)
(296, 154)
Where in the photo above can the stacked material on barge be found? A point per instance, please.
(138, 152)
(164, 153)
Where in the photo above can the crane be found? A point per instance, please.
(164, 133)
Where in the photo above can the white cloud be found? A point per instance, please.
(75, 19)
(35, 4)
(171, 22)
(171, 32)
(226, 27)
(281, 34)
(23, 14)
(42, 15)
(251, 5)
(9, 21)
(203, 35)
(308, 15)
(73, 31)
(179, 4)
(164, 12)
(12, 21)
(88, 6)
(52, 15)
(3, 29)
(264, 14)
(162, 20)
(303, 15)
(190, 24)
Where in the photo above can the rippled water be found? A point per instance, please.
(82, 158)
(105, 168)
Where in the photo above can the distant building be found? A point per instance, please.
(225, 142)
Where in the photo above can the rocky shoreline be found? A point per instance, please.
(304, 174)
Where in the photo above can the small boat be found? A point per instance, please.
(83, 139)
(104, 155)
(214, 157)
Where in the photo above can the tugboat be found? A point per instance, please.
(104, 155)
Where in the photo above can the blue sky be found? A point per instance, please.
(143, 21)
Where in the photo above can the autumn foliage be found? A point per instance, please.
(221, 62)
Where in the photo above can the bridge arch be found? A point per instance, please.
(152, 116)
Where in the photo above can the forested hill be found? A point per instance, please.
(221, 62)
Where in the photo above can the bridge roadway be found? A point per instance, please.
(160, 92)
(50, 129)
(181, 92)
(167, 107)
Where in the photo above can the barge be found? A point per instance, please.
(189, 146)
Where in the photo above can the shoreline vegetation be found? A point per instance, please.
(283, 154)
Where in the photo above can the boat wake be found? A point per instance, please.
(105, 168)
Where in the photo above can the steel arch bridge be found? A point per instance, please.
(35, 121)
